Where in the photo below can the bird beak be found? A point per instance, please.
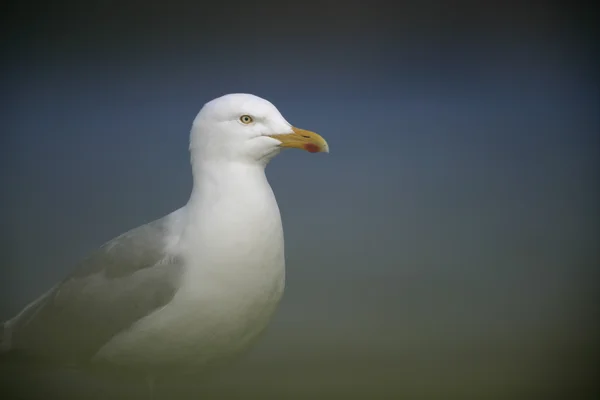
(301, 139)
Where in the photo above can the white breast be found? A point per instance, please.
(233, 251)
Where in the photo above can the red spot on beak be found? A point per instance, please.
(311, 148)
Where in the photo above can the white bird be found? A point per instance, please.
(192, 289)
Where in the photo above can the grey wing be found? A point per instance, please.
(124, 280)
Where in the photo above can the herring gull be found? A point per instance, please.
(193, 288)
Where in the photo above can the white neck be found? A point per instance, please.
(227, 181)
(233, 217)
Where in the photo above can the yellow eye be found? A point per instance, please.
(246, 119)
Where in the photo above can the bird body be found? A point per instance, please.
(237, 271)
(189, 290)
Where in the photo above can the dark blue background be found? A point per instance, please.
(448, 244)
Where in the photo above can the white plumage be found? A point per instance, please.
(193, 288)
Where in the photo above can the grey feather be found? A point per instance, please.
(123, 281)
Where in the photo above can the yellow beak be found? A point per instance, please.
(301, 139)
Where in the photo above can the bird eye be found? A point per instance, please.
(246, 119)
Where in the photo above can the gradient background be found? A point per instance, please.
(448, 247)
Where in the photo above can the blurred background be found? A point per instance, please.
(447, 247)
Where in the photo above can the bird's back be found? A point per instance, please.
(124, 280)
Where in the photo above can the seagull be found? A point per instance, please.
(188, 291)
